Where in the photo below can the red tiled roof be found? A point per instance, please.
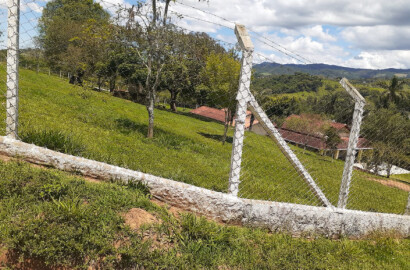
(317, 142)
(212, 113)
(219, 115)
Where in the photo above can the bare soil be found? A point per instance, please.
(391, 183)
(136, 217)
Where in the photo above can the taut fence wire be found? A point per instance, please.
(212, 118)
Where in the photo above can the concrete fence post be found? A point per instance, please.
(13, 31)
(242, 98)
(353, 139)
(407, 212)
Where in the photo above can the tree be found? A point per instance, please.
(332, 138)
(388, 133)
(176, 79)
(151, 37)
(64, 26)
(221, 81)
(393, 92)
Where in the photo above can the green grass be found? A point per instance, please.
(55, 219)
(402, 177)
(101, 127)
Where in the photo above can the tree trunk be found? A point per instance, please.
(99, 84)
(166, 11)
(251, 122)
(389, 167)
(227, 116)
(173, 101)
(112, 85)
(150, 109)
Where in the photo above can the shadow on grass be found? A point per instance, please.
(162, 137)
(216, 137)
(126, 126)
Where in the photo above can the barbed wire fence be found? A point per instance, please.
(280, 154)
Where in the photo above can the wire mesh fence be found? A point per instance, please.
(195, 110)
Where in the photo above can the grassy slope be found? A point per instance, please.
(59, 219)
(184, 148)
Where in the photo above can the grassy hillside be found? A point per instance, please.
(98, 126)
(52, 220)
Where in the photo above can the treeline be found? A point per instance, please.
(386, 123)
(137, 49)
(280, 84)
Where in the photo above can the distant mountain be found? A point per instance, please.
(329, 71)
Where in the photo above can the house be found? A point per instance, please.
(310, 135)
(218, 115)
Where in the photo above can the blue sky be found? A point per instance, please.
(362, 33)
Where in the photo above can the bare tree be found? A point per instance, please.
(149, 34)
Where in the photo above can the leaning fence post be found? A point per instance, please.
(242, 98)
(12, 68)
(353, 139)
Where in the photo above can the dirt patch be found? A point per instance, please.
(391, 183)
(92, 180)
(172, 209)
(136, 217)
(6, 158)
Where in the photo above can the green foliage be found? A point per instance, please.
(389, 134)
(53, 191)
(113, 130)
(221, 80)
(282, 107)
(332, 138)
(62, 24)
(84, 228)
(299, 82)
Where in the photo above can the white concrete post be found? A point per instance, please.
(407, 212)
(353, 139)
(242, 98)
(13, 30)
(280, 142)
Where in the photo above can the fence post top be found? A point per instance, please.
(352, 90)
(243, 37)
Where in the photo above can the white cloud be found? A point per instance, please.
(318, 32)
(375, 29)
(380, 59)
(382, 37)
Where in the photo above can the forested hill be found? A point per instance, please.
(329, 71)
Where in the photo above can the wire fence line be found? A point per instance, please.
(294, 138)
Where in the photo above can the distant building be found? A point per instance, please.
(218, 115)
(317, 141)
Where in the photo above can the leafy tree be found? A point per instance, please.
(148, 34)
(63, 27)
(299, 82)
(393, 92)
(332, 138)
(338, 106)
(182, 73)
(177, 79)
(388, 133)
(221, 81)
(282, 107)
